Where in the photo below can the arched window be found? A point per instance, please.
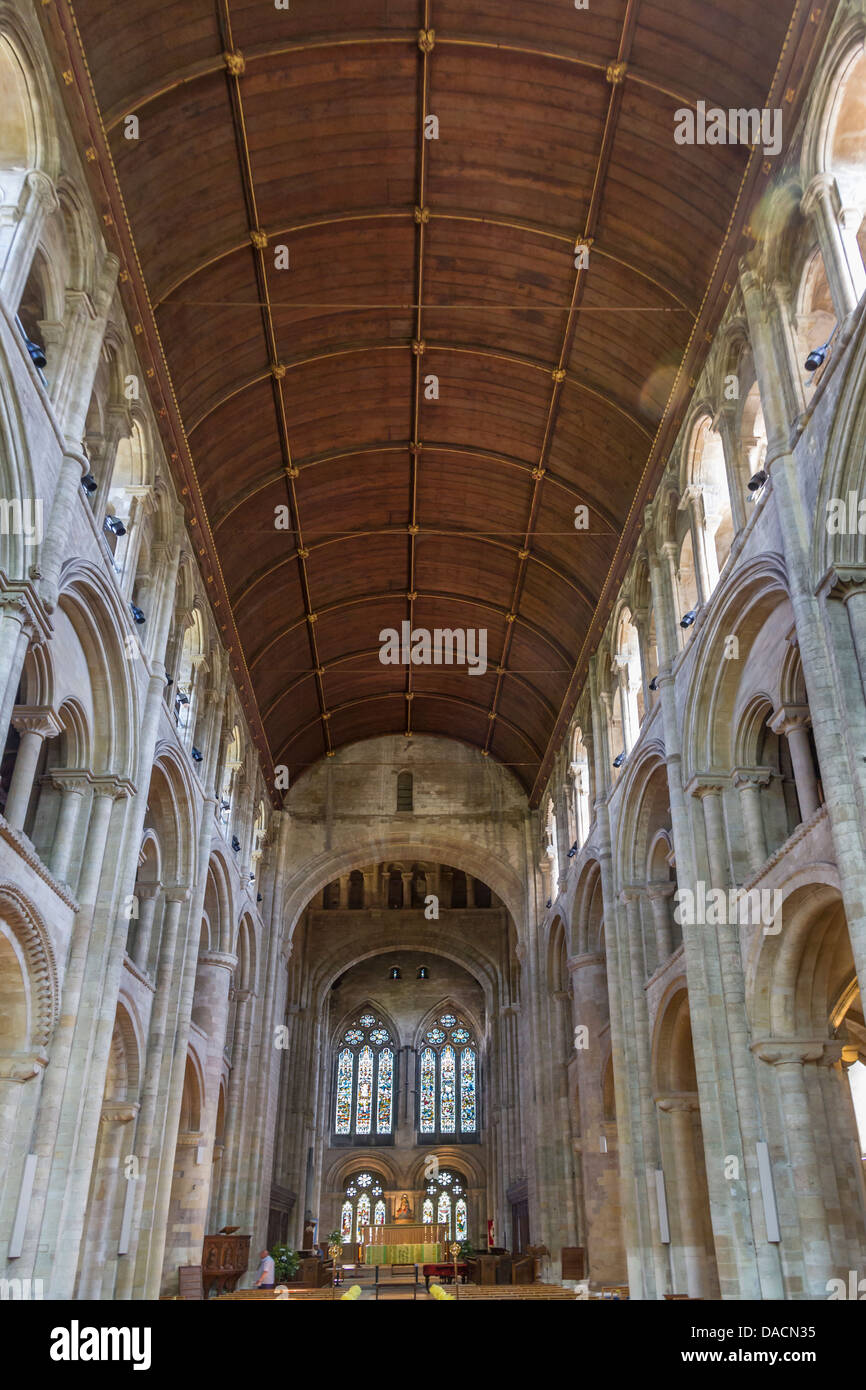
(365, 1082)
(628, 671)
(448, 1081)
(230, 769)
(187, 692)
(580, 783)
(363, 1196)
(458, 889)
(356, 889)
(404, 792)
(710, 501)
(446, 1204)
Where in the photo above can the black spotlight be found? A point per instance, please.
(423, 973)
(547, 904)
(813, 361)
(689, 618)
(573, 851)
(619, 760)
(114, 525)
(137, 614)
(236, 844)
(197, 756)
(654, 683)
(224, 805)
(757, 480)
(394, 973)
(37, 354)
(259, 898)
(169, 680)
(89, 483)
(182, 698)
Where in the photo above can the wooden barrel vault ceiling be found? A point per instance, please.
(268, 135)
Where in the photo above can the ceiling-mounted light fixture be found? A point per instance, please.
(689, 618)
(236, 844)
(114, 525)
(89, 483)
(197, 755)
(619, 760)
(756, 482)
(137, 614)
(654, 683)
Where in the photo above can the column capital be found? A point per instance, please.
(780, 1052)
(147, 890)
(575, 963)
(678, 1100)
(68, 779)
(42, 188)
(177, 893)
(704, 783)
(843, 582)
(119, 1112)
(36, 719)
(108, 784)
(751, 777)
(789, 717)
(631, 893)
(22, 1067)
(655, 891)
(820, 188)
(223, 960)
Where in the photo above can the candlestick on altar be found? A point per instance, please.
(454, 1249)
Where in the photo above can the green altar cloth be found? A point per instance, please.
(402, 1254)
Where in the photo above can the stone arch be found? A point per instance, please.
(368, 1005)
(38, 990)
(587, 921)
(94, 609)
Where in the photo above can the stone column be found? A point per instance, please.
(20, 233)
(708, 790)
(748, 782)
(71, 785)
(682, 1110)
(34, 725)
(98, 1251)
(16, 631)
(56, 541)
(147, 894)
(842, 260)
(703, 525)
(659, 896)
(790, 1057)
(407, 888)
(793, 722)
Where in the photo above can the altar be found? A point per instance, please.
(404, 1244)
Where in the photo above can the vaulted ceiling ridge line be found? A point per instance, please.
(422, 215)
(62, 31)
(393, 214)
(802, 17)
(468, 350)
(615, 75)
(422, 695)
(259, 240)
(470, 600)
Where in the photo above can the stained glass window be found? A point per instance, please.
(449, 1079)
(362, 1215)
(364, 1179)
(379, 1214)
(443, 1212)
(427, 1212)
(345, 1068)
(367, 1085)
(428, 1091)
(385, 1090)
(447, 1090)
(346, 1223)
(364, 1107)
(467, 1091)
(460, 1220)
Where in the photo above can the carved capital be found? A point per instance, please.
(33, 719)
(683, 1101)
(787, 1052)
(789, 717)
